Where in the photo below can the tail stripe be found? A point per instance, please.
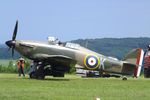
(139, 63)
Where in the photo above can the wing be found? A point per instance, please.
(57, 60)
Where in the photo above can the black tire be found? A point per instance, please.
(37, 74)
(42, 77)
(32, 75)
(40, 73)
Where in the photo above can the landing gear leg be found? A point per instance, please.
(37, 71)
(32, 71)
(100, 73)
(40, 72)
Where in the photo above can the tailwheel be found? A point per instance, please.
(124, 78)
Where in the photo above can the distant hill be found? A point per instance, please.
(5, 54)
(116, 47)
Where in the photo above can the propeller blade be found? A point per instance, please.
(15, 31)
(12, 51)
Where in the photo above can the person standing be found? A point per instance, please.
(20, 64)
(147, 62)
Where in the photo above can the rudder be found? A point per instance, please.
(135, 57)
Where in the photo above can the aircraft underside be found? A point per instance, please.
(41, 69)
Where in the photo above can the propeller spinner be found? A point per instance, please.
(11, 43)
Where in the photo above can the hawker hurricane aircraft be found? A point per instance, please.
(55, 58)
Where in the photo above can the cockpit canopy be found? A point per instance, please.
(52, 40)
(55, 41)
(72, 45)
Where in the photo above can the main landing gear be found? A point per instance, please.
(39, 70)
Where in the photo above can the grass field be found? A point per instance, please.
(73, 88)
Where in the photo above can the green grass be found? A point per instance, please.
(72, 88)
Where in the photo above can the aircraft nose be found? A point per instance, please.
(10, 43)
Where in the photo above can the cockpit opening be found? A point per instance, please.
(72, 45)
(55, 41)
(52, 40)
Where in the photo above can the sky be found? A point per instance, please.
(74, 19)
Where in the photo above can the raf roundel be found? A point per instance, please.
(91, 62)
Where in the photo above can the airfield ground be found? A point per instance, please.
(73, 87)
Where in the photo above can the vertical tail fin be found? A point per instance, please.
(135, 57)
(139, 62)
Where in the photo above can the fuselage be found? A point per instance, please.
(31, 50)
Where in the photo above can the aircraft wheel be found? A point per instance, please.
(41, 77)
(40, 72)
(124, 78)
(37, 75)
(32, 75)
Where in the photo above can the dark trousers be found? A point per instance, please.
(21, 71)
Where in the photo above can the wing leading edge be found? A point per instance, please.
(57, 60)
